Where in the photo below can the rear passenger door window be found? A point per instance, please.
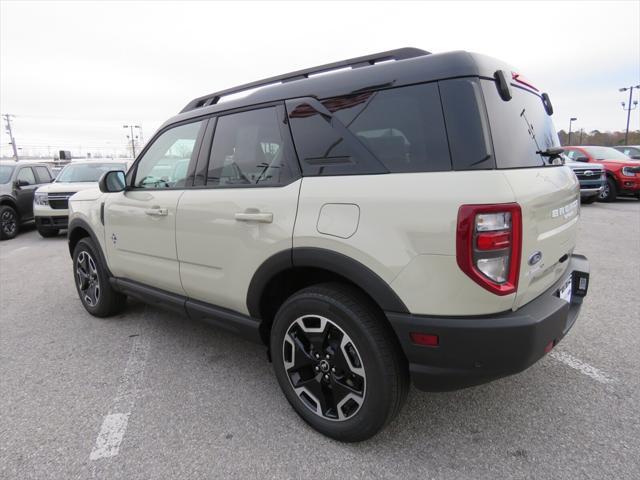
(249, 149)
(396, 130)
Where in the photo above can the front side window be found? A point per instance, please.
(574, 154)
(249, 149)
(166, 161)
(26, 175)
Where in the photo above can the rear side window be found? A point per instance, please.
(396, 130)
(520, 127)
(467, 124)
(249, 149)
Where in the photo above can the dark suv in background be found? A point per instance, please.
(18, 183)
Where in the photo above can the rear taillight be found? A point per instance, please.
(488, 245)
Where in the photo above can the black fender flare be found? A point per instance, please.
(10, 201)
(338, 263)
(77, 223)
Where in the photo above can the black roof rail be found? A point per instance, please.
(366, 60)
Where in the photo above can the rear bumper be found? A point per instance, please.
(59, 221)
(475, 350)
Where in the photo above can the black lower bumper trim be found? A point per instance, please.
(475, 350)
(52, 222)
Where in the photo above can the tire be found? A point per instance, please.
(609, 192)
(334, 345)
(48, 232)
(9, 224)
(92, 282)
(589, 200)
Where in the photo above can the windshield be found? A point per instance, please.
(5, 173)
(87, 172)
(520, 127)
(605, 153)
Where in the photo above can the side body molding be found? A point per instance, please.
(334, 262)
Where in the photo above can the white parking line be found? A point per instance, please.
(115, 422)
(582, 367)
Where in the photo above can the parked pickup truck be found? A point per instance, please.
(623, 172)
(592, 178)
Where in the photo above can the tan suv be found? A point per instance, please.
(403, 218)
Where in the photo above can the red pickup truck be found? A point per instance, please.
(623, 173)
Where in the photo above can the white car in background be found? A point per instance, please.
(50, 203)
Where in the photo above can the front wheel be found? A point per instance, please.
(8, 222)
(589, 200)
(609, 192)
(92, 281)
(338, 362)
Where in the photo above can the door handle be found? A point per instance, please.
(157, 212)
(254, 217)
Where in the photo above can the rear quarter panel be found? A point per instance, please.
(406, 233)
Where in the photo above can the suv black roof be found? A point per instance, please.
(409, 66)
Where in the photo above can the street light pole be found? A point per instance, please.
(629, 108)
(571, 120)
(133, 146)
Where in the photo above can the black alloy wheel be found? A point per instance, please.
(8, 222)
(338, 361)
(87, 279)
(324, 367)
(92, 281)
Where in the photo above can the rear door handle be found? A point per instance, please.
(157, 212)
(254, 217)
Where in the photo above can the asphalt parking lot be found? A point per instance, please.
(202, 403)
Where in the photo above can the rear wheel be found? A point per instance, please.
(92, 282)
(337, 362)
(8, 222)
(48, 232)
(609, 191)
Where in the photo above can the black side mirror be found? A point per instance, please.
(113, 181)
(22, 183)
(635, 157)
(582, 159)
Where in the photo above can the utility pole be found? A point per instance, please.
(7, 118)
(571, 120)
(629, 108)
(133, 146)
(581, 132)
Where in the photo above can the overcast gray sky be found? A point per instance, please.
(74, 72)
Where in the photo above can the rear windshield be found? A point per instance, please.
(86, 172)
(519, 127)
